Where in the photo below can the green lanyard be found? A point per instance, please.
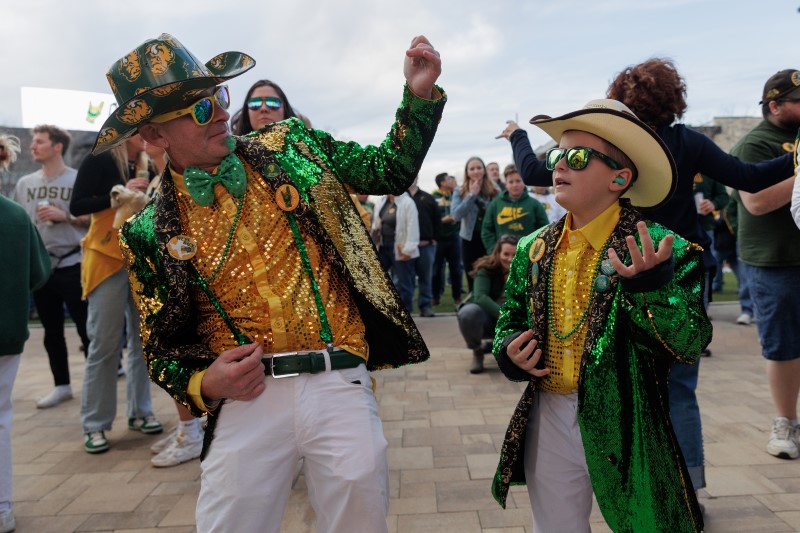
(325, 334)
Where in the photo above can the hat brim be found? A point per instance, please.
(657, 173)
(125, 120)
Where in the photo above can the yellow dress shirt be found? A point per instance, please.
(573, 271)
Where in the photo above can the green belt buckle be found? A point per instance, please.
(272, 365)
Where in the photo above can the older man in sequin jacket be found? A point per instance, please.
(252, 265)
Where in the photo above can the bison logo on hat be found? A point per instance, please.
(164, 90)
(161, 57)
(217, 62)
(107, 135)
(193, 71)
(130, 67)
(135, 112)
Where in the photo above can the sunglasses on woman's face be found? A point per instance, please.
(271, 102)
(577, 158)
(202, 111)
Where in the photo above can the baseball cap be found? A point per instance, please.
(780, 85)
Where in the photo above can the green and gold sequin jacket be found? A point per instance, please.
(635, 333)
(319, 167)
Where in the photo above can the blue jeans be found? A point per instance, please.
(110, 306)
(447, 252)
(743, 277)
(685, 415)
(406, 274)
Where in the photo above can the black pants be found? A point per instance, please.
(471, 251)
(63, 287)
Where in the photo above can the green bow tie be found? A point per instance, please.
(230, 174)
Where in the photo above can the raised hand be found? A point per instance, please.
(511, 127)
(645, 259)
(422, 67)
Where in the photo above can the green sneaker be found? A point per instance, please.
(95, 442)
(147, 424)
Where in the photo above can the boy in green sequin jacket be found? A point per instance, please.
(599, 305)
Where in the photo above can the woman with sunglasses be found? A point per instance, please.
(478, 317)
(468, 207)
(264, 104)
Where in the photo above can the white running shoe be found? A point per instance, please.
(783, 441)
(181, 450)
(7, 522)
(162, 444)
(61, 393)
(744, 319)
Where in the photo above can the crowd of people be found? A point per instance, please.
(219, 263)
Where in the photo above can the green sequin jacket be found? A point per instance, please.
(319, 167)
(634, 334)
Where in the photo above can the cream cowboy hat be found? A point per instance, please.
(612, 121)
(161, 75)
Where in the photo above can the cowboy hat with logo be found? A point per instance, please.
(157, 76)
(613, 122)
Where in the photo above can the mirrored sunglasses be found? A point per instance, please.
(201, 111)
(577, 158)
(272, 102)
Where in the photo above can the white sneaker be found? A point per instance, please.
(181, 450)
(744, 319)
(783, 441)
(7, 522)
(162, 444)
(61, 393)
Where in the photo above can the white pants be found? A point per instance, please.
(555, 466)
(327, 419)
(9, 364)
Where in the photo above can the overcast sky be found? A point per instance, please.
(340, 63)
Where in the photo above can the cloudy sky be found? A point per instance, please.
(340, 63)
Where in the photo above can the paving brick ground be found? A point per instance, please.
(444, 428)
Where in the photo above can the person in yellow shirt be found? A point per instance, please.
(263, 303)
(598, 307)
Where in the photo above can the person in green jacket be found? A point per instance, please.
(599, 305)
(710, 197)
(24, 267)
(512, 212)
(478, 316)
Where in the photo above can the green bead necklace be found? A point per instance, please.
(227, 248)
(551, 320)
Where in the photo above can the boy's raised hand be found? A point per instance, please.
(645, 259)
(523, 352)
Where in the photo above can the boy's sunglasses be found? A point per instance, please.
(202, 111)
(272, 102)
(577, 158)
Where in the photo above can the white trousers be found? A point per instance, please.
(9, 364)
(331, 421)
(555, 466)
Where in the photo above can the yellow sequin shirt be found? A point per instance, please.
(574, 266)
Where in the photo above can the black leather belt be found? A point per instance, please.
(284, 365)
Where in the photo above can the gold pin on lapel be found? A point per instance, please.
(287, 197)
(536, 250)
(182, 247)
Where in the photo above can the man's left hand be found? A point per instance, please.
(422, 67)
(645, 259)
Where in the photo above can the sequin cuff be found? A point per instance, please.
(507, 367)
(650, 280)
(417, 104)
